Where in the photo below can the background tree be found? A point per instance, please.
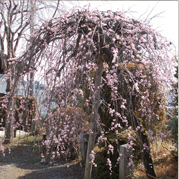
(16, 19)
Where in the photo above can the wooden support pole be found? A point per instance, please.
(93, 125)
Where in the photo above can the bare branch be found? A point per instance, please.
(58, 3)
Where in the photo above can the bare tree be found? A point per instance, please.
(16, 29)
(14, 22)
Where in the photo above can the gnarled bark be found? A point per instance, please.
(145, 150)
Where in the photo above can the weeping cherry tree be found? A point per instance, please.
(83, 53)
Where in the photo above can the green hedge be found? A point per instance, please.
(25, 111)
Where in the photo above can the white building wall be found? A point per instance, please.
(3, 84)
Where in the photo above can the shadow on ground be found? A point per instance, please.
(73, 172)
(23, 162)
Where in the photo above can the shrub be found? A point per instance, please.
(64, 136)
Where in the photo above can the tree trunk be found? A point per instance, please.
(95, 106)
(8, 132)
(142, 137)
(10, 106)
(8, 118)
(145, 151)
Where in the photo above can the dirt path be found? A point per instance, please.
(22, 163)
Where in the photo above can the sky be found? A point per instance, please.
(166, 22)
